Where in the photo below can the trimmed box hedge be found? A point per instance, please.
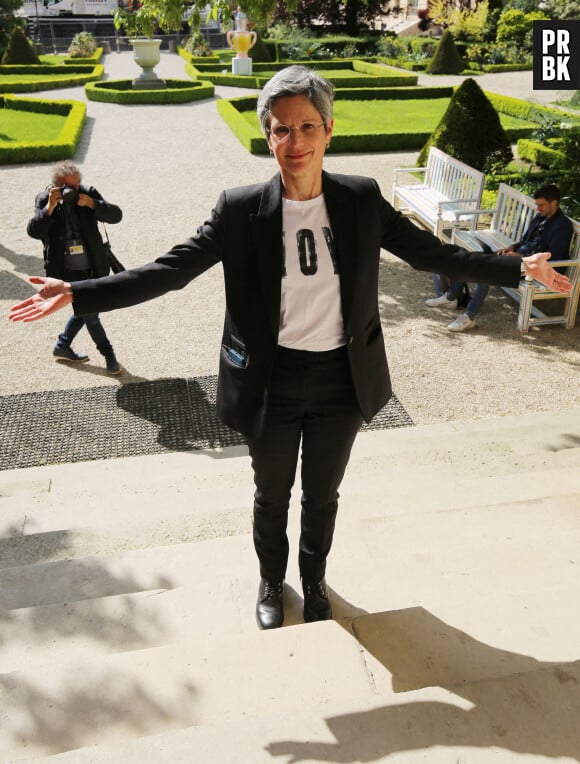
(76, 74)
(94, 59)
(44, 151)
(370, 73)
(253, 140)
(538, 154)
(121, 92)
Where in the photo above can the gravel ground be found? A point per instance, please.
(165, 167)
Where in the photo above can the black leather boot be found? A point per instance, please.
(64, 351)
(316, 604)
(270, 607)
(113, 366)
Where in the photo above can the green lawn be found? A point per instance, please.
(419, 116)
(27, 127)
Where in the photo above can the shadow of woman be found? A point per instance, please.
(182, 410)
(510, 701)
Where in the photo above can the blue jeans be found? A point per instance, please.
(478, 296)
(91, 321)
(94, 328)
(455, 288)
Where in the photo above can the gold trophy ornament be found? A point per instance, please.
(241, 41)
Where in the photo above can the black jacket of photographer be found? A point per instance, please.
(52, 231)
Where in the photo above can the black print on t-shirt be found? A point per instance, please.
(307, 254)
(307, 251)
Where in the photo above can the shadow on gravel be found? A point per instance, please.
(402, 295)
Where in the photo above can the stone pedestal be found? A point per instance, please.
(241, 65)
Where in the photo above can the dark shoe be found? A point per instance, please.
(113, 366)
(316, 604)
(270, 608)
(68, 354)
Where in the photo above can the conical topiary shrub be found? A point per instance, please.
(446, 59)
(19, 50)
(470, 130)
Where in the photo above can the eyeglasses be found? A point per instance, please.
(281, 133)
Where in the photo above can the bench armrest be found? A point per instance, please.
(397, 170)
(462, 213)
(564, 263)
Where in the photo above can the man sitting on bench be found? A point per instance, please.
(549, 231)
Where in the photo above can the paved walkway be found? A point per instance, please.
(165, 167)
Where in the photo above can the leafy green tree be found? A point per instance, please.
(351, 16)
(525, 6)
(562, 9)
(516, 26)
(470, 131)
(7, 21)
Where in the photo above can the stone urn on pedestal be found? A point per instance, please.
(147, 56)
(140, 27)
(241, 41)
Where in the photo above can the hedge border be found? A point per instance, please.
(94, 59)
(177, 91)
(371, 74)
(44, 151)
(538, 154)
(254, 141)
(82, 73)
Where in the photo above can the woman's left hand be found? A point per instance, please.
(537, 267)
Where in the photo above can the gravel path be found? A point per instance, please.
(165, 167)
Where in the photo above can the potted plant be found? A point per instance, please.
(140, 27)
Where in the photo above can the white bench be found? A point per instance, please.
(448, 186)
(509, 220)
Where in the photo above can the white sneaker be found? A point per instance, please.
(441, 302)
(461, 324)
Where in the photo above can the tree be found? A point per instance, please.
(562, 9)
(350, 15)
(7, 21)
(464, 23)
(19, 50)
(446, 59)
(470, 131)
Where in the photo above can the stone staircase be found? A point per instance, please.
(128, 586)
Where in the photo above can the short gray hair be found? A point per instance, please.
(63, 169)
(295, 80)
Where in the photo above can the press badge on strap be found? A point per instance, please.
(76, 257)
(75, 247)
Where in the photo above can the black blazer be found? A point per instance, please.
(244, 233)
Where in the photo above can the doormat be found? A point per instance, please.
(63, 426)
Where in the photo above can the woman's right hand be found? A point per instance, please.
(54, 295)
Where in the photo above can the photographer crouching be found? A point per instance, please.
(66, 218)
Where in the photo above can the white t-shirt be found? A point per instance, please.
(310, 308)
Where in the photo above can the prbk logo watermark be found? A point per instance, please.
(557, 55)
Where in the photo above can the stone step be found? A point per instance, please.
(128, 592)
(389, 686)
(56, 530)
(194, 496)
(149, 597)
(479, 448)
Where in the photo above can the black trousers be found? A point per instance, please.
(311, 400)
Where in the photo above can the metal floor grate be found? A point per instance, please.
(65, 426)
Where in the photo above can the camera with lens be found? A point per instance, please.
(70, 195)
